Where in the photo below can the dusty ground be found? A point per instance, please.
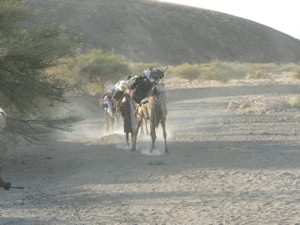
(224, 167)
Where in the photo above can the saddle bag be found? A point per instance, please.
(118, 94)
(141, 87)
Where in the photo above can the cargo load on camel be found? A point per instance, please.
(119, 89)
(142, 84)
(154, 75)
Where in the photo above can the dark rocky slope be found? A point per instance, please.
(150, 31)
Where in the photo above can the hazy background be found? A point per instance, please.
(280, 15)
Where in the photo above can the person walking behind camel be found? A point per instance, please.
(107, 105)
(127, 111)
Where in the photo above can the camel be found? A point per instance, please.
(127, 110)
(144, 125)
(156, 111)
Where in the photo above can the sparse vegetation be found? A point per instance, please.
(102, 68)
(26, 53)
(188, 71)
(83, 71)
(41, 65)
(255, 74)
(295, 102)
(224, 71)
(297, 73)
(90, 73)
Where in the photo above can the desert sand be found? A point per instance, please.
(224, 167)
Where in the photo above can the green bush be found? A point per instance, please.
(104, 68)
(222, 71)
(188, 71)
(255, 74)
(297, 73)
(90, 73)
(295, 102)
(27, 50)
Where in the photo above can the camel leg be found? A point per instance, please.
(131, 134)
(163, 125)
(127, 139)
(153, 136)
(147, 131)
(142, 133)
(135, 133)
(144, 124)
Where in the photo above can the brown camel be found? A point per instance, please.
(129, 118)
(155, 109)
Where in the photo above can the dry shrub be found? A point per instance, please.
(188, 71)
(295, 102)
(257, 104)
(222, 71)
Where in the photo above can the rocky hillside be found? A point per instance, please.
(150, 31)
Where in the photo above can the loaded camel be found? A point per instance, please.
(154, 110)
(127, 107)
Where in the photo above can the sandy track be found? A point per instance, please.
(224, 168)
